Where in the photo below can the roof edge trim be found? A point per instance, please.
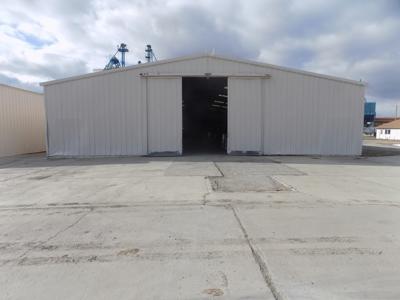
(183, 58)
(21, 89)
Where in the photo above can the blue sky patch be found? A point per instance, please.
(35, 41)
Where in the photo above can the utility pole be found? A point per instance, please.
(396, 112)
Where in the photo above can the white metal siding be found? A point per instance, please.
(103, 115)
(22, 121)
(244, 115)
(164, 96)
(309, 115)
(393, 135)
(302, 113)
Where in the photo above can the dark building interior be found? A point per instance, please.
(204, 110)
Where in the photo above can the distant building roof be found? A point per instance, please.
(385, 119)
(382, 120)
(391, 125)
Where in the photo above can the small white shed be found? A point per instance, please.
(22, 121)
(389, 131)
(204, 103)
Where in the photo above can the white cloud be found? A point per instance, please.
(42, 40)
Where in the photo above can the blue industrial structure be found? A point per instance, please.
(369, 118)
(114, 61)
(122, 48)
(150, 56)
(369, 114)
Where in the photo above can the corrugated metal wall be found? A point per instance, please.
(106, 114)
(22, 121)
(244, 121)
(103, 115)
(164, 96)
(311, 115)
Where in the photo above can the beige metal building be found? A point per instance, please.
(204, 103)
(22, 121)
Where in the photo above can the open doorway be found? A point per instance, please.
(205, 104)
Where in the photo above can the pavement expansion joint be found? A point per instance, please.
(266, 274)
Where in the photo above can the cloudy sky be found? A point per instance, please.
(44, 39)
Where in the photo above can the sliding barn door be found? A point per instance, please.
(164, 115)
(245, 115)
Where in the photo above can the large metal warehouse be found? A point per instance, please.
(22, 121)
(203, 103)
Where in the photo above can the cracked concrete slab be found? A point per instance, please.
(142, 253)
(162, 279)
(94, 189)
(343, 188)
(323, 253)
(250, 176)
(153, 228)
(23, 231)
(269, 168)
(179, 168)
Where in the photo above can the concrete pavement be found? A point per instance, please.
(200, 227)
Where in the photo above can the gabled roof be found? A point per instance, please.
(192, 57)
(391, 125)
